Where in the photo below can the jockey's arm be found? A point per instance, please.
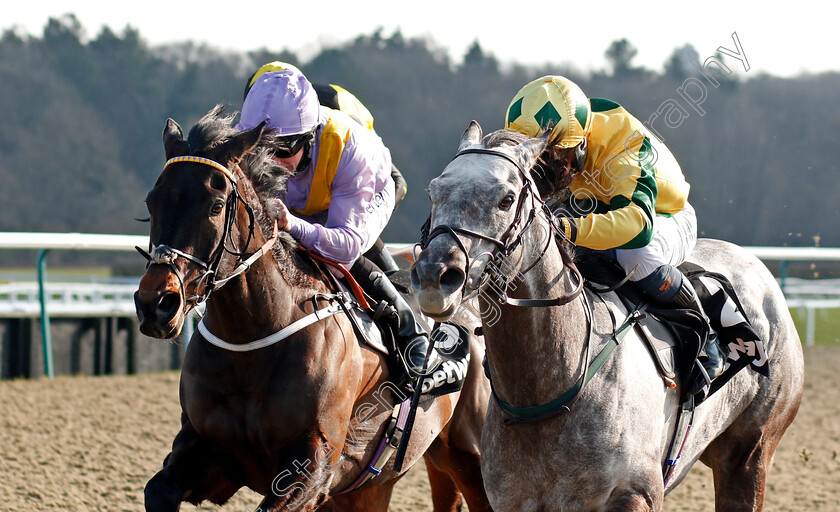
(346, 231)
(341, 239)
(628, 221)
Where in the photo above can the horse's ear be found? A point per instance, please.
(529, 151)
(471, 136)
(243, 142)
(173, 140)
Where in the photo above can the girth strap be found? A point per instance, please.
(564, 402)
(390, 441)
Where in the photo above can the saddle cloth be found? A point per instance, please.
(452, 342)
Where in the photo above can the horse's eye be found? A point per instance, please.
(507, 202)
(217, 208)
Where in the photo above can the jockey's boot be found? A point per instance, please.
(380, 256)
(412, 339)
(668, 286)
(712, 365)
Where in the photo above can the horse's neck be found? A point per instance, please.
(535, 353)
(258, 302)
(250, 306)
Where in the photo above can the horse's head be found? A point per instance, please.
(193, 210)
(480, 205)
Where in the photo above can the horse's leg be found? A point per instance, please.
(741, 457)
(445, 494)
(373, 499)
(740, 462)
(194, 471)
(456, 455)
(456, 450)
(740, 467)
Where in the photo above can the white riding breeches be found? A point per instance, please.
(674, 237)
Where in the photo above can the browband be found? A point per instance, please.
(200, 160)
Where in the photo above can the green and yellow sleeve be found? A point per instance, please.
(624, 191)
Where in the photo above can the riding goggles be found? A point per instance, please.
(286, 147)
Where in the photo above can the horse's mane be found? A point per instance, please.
(266, 179)
(553, 189)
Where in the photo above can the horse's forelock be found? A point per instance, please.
(551, 183)
(542, 173)
(211, 130)
(215, 128)
(503, 138)
(267, 179)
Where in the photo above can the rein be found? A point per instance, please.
(166, 255)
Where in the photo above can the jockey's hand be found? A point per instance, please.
(282, 214)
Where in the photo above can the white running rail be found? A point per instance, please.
(98, 299)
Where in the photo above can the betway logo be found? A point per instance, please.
(447, 373)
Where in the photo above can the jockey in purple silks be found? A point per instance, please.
(341, 193)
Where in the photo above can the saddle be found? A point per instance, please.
(675, 337)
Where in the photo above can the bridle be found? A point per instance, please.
(505, 246)
(165, 255)
(509, 241)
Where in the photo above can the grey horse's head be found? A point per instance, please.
(476, 202)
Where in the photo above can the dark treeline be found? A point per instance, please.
(80, 139)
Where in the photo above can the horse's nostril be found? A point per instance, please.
(452, 280)
(415, 279)
(169, 304)
(138, 306)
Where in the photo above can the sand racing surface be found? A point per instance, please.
(85, 444)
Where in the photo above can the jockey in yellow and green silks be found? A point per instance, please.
(629, 197)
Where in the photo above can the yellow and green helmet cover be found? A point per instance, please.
(551, 103)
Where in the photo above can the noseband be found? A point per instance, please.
(507, 243)
(166, 255)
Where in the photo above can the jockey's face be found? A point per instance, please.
(289, 163)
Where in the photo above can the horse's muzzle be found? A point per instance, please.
(438, 276)
(159, 304)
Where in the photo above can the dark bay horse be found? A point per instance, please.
(605, 450)
(298, 420)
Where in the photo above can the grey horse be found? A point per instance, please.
(605, 451)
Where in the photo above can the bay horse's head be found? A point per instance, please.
(481, 203)
(193, 210)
